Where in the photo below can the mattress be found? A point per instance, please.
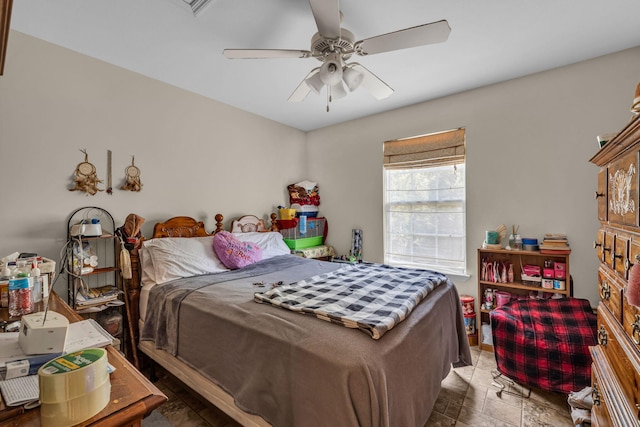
(294, 369)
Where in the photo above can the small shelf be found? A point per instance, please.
(520, 285)
(517, 289)
(100, 271)
(101, 253)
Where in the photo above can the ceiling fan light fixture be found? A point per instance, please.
(330, 72)
(338, 91)
(353, 78)
(315, 82)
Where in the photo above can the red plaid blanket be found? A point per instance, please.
(545, 343)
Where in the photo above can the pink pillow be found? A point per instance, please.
(233, 253)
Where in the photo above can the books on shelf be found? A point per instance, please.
(555, 244)
(96, 296)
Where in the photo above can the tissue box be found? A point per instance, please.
(36, 338)
(560, 270)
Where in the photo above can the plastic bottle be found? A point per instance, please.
(22, 270)
(6, 271)
(303, 225)
(37, 282)
(20, 302)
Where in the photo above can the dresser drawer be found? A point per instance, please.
(623, 358)
(622, 191)
(607, 248)
(634, 251)
(620, 255)
(631, 322)
(610, 292)
(600, 411)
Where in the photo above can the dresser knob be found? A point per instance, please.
(598, 195)
(596, 244)
(595, 394)
(635, 330)
(602, 336)
(605, 249)
(605, 291)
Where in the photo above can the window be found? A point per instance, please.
(424, 202)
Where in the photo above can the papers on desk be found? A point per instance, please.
(80, 335)
(20, 391)
(86, 334)
(24, 389)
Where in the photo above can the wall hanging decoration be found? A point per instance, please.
(133, 177)
(109, 187)
(85, 177)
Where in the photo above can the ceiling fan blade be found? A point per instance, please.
(303, 88)
(265, 53)
(373, 83)
(435, 32)
(327, 16)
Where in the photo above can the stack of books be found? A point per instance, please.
(96, 296)
(555, 244)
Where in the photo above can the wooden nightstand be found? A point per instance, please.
(133, 396)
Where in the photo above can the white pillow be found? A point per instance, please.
(270, 242)
(147, 273)
(176, 257)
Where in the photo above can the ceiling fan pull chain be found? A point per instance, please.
(328, 97)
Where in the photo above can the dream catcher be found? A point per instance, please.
(85, 178)
(132, 182)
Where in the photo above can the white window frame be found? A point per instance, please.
(412, 254)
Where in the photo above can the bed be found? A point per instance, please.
(266, 365)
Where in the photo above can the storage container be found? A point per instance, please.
(307, 242)
(315, 227)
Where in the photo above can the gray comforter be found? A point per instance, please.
(296, 370)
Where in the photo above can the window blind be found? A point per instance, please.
(436, 149)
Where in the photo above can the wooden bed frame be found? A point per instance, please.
(183, 226)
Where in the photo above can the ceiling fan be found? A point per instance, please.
(334, 45)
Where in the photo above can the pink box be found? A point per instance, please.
(560, 270)
(548, 273)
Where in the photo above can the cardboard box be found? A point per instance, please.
(560, 270)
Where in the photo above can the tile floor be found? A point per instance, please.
(467, 398)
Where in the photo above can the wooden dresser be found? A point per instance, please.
(616, 358)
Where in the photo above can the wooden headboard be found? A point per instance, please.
(184, 226)
(179, 226)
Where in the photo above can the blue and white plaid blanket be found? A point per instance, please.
(371, 297)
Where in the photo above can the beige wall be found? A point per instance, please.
(528, 145)
(197, 157)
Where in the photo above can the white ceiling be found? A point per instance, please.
(490, 41)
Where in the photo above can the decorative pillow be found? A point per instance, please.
(270, 242)
(234, 253)
(176, 257)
